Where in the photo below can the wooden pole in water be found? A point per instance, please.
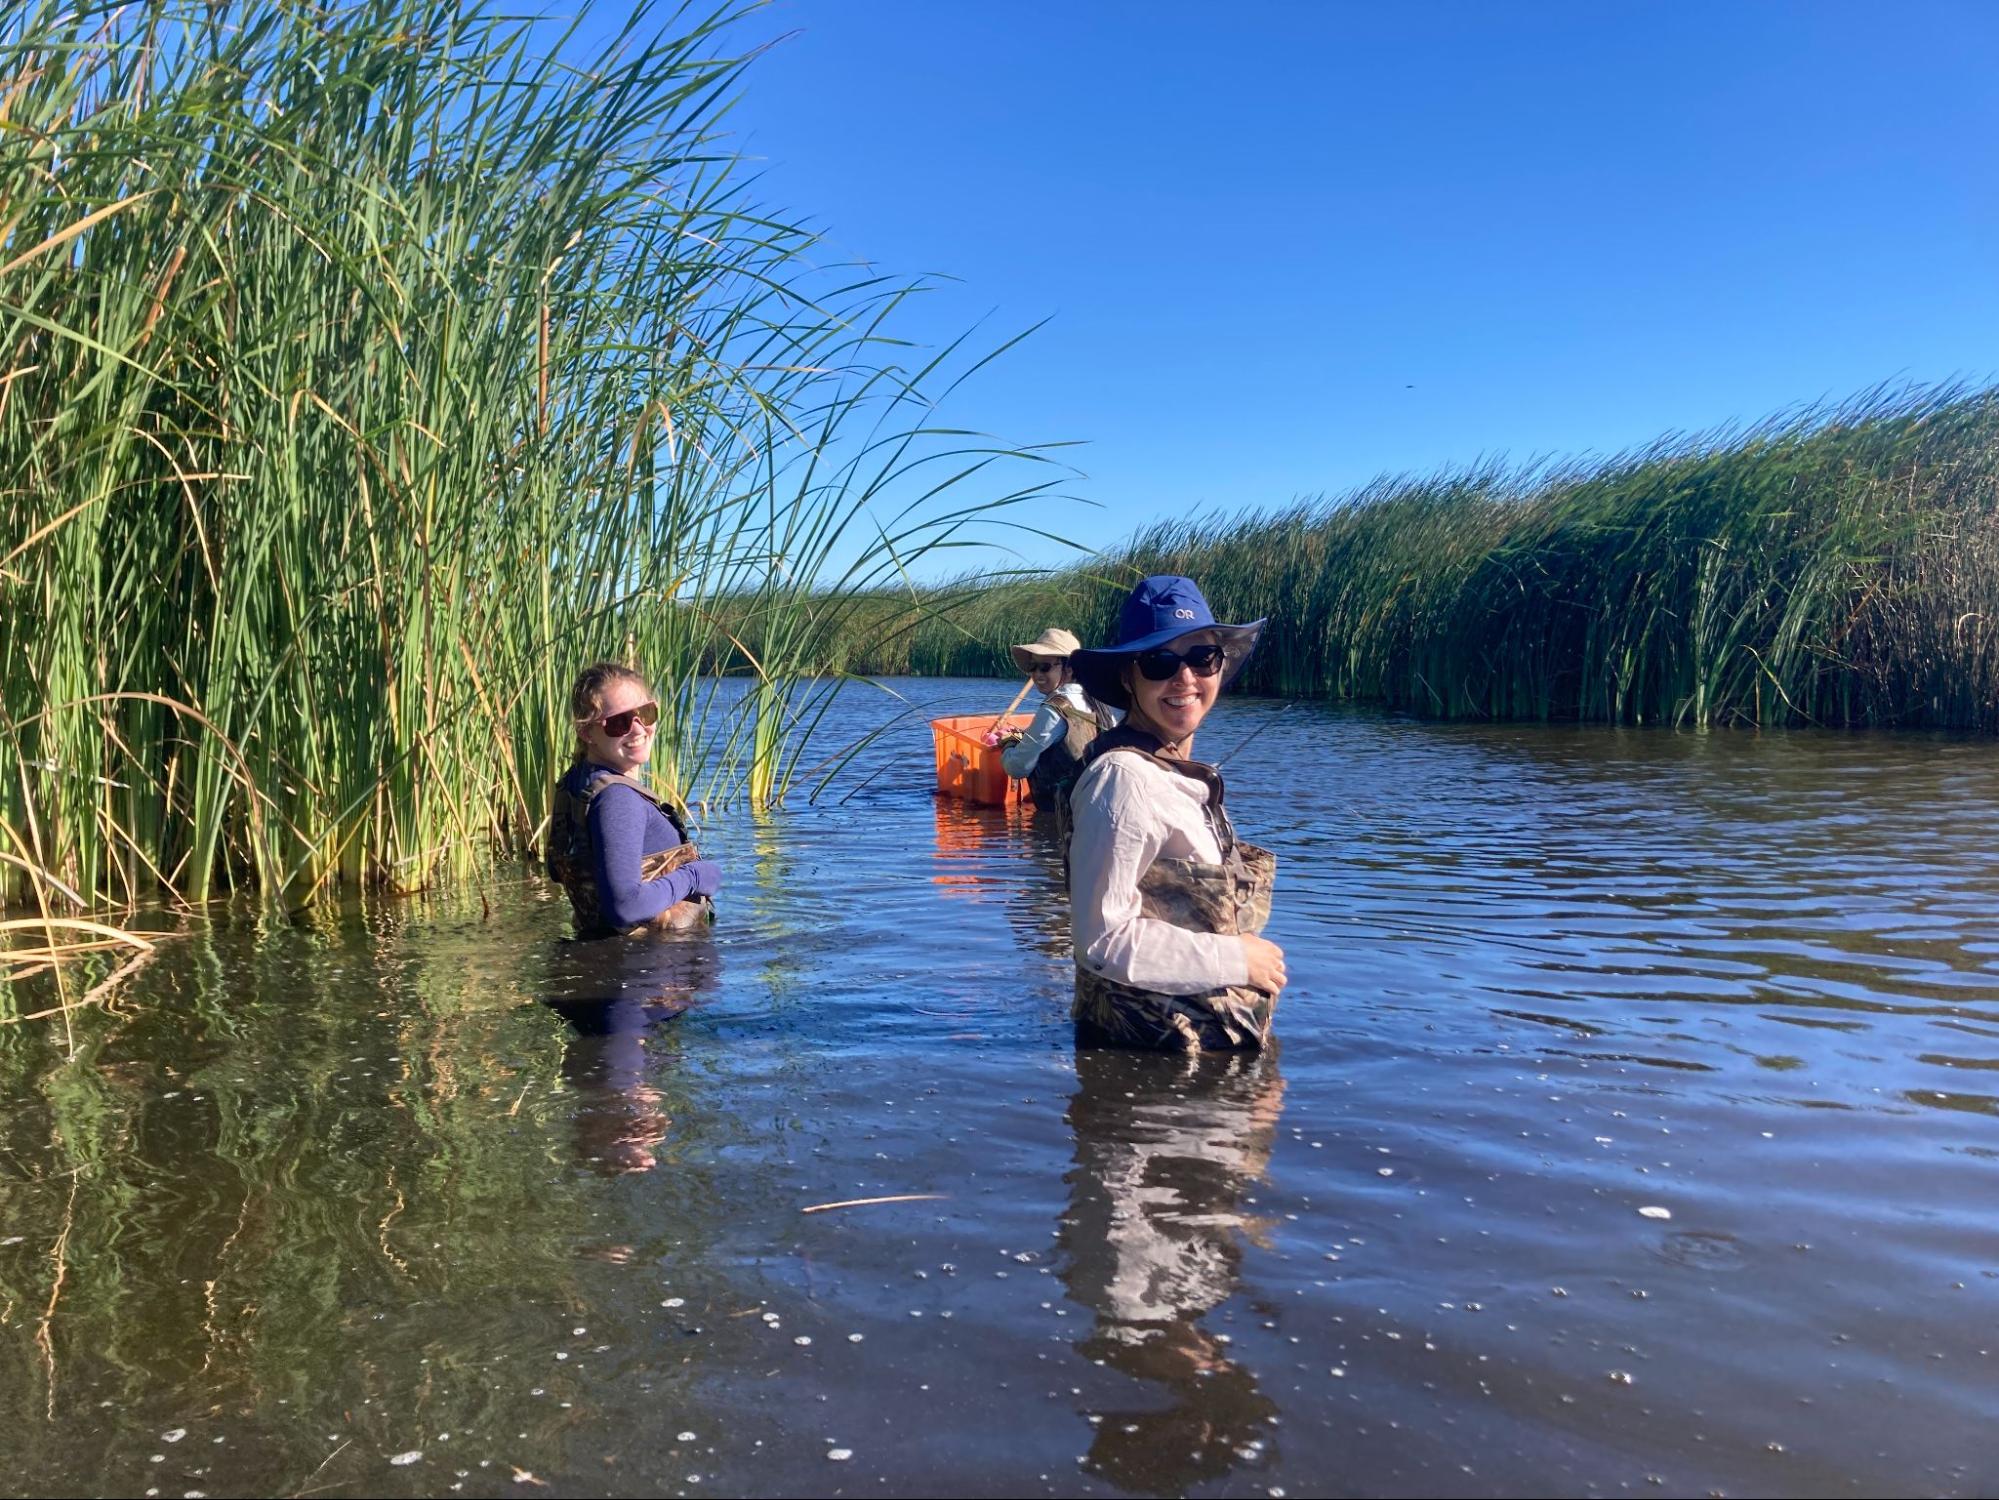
(820, 1208)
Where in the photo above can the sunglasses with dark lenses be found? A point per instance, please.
(1043, 666)
(1164, 666)
(617, 726)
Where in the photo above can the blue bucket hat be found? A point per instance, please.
(1158, 612)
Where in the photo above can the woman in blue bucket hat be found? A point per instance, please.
(1166, 904)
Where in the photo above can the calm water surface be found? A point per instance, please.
(1635, 1123)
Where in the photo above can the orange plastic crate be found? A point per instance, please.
(970, 768)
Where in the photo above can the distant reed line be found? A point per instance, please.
(1837, 566)
(364, 371)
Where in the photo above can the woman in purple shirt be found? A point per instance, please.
(620, 851)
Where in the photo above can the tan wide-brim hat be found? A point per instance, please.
(1058, 645)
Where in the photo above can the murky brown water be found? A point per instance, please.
(416, 1181)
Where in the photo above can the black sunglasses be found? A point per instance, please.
(1164, 666)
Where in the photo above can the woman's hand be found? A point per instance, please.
(1266, 963)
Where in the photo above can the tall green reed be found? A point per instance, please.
(1834, 566)
(365, 371)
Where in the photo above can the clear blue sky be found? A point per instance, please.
(1286, 247)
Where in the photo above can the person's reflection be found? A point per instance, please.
(613, 993)
(1153, 1240)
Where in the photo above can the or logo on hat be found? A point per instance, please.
(1157, 612)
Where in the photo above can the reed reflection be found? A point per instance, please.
(1152, 1242)
(615, 995)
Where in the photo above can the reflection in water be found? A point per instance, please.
(296, 1192)
(980, 854)
(970, 834)
(1152, 1242)
(613, 993)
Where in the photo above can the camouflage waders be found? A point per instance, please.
(572, 861)
(1230, 898)
(1055, 773)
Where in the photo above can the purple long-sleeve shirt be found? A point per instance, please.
(624, 829)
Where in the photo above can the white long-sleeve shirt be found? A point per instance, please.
(1126, 812)
(1047, 726)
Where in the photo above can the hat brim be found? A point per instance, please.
(1025, 657)
(1101, 672)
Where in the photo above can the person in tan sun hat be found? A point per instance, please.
(1048, 755)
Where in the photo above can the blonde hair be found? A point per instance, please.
(586, 699)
